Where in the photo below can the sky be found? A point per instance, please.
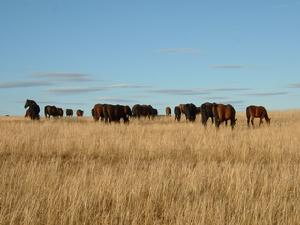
(76, 53)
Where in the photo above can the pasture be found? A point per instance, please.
(76, 171)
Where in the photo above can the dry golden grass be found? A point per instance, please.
(150, 172)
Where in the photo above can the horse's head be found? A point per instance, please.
(268, 121)
(27, 104)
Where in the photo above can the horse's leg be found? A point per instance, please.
(252, 121)
(260, 121)
(248, 121)
(212, 120)
(226, 123)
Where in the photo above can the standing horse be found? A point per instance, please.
(51, 111)
(253, 111)
(33, 109)
(168, 111)
(223, 113)
(206, 110)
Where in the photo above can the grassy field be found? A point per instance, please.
(150, 172)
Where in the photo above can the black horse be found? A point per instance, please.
(33, 110)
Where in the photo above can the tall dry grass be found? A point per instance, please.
(150, 172)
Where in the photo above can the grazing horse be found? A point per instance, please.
(97, 112)
(223, 113)
(79, 113)
(114, 113)
(60, 112)
(168, 111)
(33, 109)
(206, 110)
(142, 111)
(253, 111)
(189, 110)
(177, 113)
(51, 111)
(69, 112)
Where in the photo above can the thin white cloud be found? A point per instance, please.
(179, 50)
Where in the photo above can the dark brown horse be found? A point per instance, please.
(223, 113)
(60, 112)
(253, 111)
(142, 111)
(114, 113)
(168, 111)
(51, 111)
(177, 113)
(79, 113)
(206, 110)
(33, 109)
(69, 112)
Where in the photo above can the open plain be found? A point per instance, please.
(76, 171)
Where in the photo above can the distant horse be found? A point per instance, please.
(60, 112)
(69, 112)
(51, 111)
(33, 109)
(177, 113)
(79, 113)
(253, 111)
(168, 111)
(223, 113)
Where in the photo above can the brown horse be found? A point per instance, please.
(253, 111)
(97, 112)
(168, 111)
(223, 113)
(79, 113)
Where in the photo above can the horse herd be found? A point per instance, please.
(218, 113)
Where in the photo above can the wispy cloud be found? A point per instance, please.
(24, 84)
(233, 102)
(76, 90)
(261, 94)
(179, 92)
(228, 89)
(179, 50)
(127, 86)
(57, 103)
(75, 77)
(229, 66)
(295, 85)
(118, 100)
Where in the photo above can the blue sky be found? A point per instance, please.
(74, 54)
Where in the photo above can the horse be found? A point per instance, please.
(168, 111)
(33, 109)
(79, 113)
(223, 113)
(206, 111)
(177, 113)
(253, 111)
(51, 111)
